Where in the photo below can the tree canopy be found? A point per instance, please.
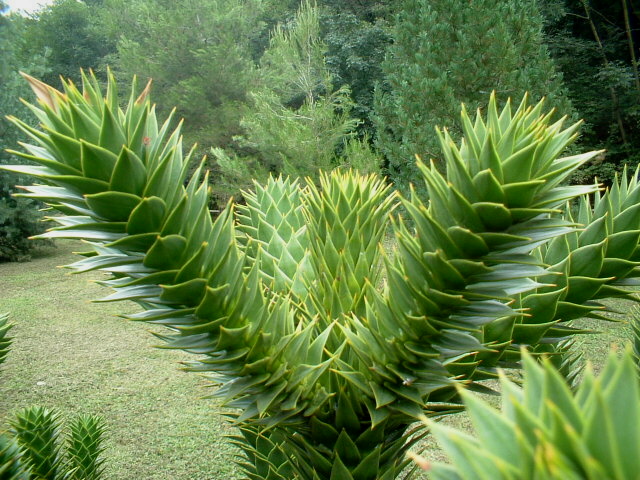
(364, 83)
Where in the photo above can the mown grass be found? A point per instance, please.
(71, 354)
(79, 357)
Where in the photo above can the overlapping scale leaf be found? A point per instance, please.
(347, 218)
(5, 339)
(36, 430)
(353, 232)
(96, 157)
(12, 461)
(591, 434)
(265, 458)
(470, 251)
(85, 447)
(344, 445)
(274, 225)
(597, 262)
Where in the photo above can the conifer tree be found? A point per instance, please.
(300, 121)
(446, 52)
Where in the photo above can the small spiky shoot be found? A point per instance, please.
(85, 447)
(5, 339)
(635, 341)
(37, 431)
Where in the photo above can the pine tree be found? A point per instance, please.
(446, 52)
(299, 122)
(198, 55)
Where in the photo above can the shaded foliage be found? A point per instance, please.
(592, 45)
(357, 35)
(71, 34)
(446, 52)
(19, 217)
(299, 123)
(198, 55)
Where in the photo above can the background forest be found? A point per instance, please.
(270, 86)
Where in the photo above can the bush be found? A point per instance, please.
(19, 217)
(19, 220)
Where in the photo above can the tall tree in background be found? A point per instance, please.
(446, 52)
(298, 120)
(198, 55)
(70, 33)
(357, 35)
(595, 44)
(19, 217)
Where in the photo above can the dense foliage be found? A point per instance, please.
(383, 75)
(444, 54)
(211, 59)
(297, 119)
(327, 347)
(595, 45)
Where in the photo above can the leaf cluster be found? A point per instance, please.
(546, 431)
(34, 448)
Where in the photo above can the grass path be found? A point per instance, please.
(79, 357)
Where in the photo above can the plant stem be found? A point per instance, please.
(614, 95)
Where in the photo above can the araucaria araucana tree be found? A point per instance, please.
(326, 346)
(546, 431)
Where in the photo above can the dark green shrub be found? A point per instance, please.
(20, 219)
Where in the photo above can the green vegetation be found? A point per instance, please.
(325, 346)
(19, 217)
(546, 431)
(5, 339)
(362, 84)
(445, 54)
(297, 121)
(595, 46)
(38, 435)
(125, 380)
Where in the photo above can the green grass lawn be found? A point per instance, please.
(79, 357)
